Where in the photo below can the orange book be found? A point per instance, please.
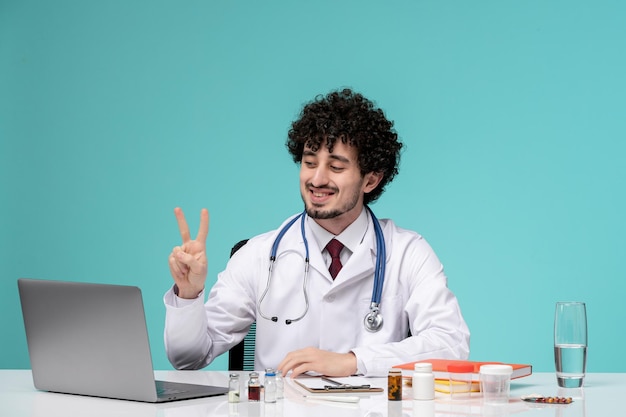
(440, 367)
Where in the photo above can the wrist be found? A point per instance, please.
(354, 368)
(187, 293)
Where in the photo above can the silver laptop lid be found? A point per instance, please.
(88, 339)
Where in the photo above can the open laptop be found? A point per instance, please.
(91, 339)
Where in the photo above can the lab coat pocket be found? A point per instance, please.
(394, 321)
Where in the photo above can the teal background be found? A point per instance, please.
(513, 115)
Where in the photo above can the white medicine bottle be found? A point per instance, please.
(423, 381)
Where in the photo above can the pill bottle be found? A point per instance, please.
(394, 385)
(423, 381)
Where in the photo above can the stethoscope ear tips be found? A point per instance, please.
(287, 321)
(274, 319)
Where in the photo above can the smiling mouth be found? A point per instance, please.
(321, 196)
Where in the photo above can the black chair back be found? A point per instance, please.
(241, 356)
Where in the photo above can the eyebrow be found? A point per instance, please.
(339, 158)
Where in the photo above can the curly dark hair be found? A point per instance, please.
(348, 116)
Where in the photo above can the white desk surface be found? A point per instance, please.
(600, 396)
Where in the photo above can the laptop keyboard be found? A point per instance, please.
(169, 391)
(165, 388)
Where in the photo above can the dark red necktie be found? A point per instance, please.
(334, 248)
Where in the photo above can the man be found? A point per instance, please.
(312, 318)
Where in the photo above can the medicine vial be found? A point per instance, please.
(233, 388)
(254, 387)
(394, 385)
(423, 381)
(270, 386)
(280, 386)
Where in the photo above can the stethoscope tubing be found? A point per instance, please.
(381, 260)
(373, 320)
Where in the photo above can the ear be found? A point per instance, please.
(371, 181)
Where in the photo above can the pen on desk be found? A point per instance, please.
(336, 398)
(332, 381)
(339, 385)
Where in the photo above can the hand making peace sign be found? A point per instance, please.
(188, 262)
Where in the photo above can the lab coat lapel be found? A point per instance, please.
(361, 263)
(315, 255)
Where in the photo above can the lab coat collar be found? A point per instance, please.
(362, 261)
(351, 237)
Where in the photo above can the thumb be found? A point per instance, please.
(195, 262)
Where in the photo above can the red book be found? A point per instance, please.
(440, 367)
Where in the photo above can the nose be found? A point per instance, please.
(320, 177)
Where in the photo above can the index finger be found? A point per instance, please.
(182, 224)
(203, 230)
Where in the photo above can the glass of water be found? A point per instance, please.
(570, 343)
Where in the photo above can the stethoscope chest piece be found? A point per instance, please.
(373, 321)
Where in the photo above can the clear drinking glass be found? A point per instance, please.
(570, 343)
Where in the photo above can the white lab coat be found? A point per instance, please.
(415, 297)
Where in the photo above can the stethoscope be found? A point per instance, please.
(373, 320)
